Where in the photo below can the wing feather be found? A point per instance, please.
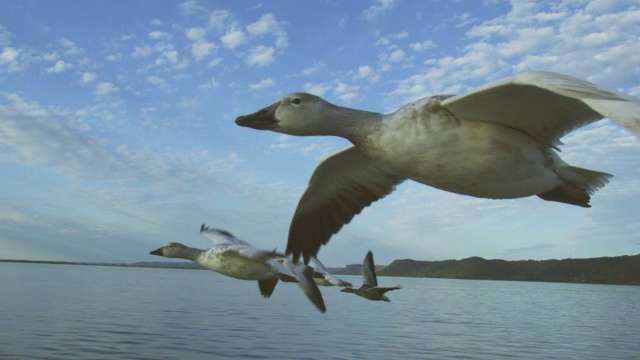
(341, 186)
(545, 105)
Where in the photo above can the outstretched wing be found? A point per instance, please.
(341, 186)
(219, 236)
(545, 105)
(369, 277)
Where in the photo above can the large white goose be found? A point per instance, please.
(237, 259)
(498, 141)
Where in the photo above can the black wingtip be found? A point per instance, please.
(295, 254)
(306, 250)
(203, 227)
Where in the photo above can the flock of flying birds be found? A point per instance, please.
(498, 141)
(236, 258)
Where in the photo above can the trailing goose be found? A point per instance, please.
(369, 289)
(498, 141)
(235, 258)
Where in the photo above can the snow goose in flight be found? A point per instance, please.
(235, 258)
(369, 289)
(498, 141)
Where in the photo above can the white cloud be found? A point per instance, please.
(115, 184)
(69, 47)
(533, 36)
(233, 38)
(160, 35)
(397, 55)
(214, 62)
(262, 84)
(87, 77)
(379, 8)
(318, 89)
(421, 46)
(201, 49)
(268, 24)
(58, 67)
(105, 88)
(38, 136)
(196, 34)
(188, 104)
(366, 73)
(189, 7)
(168, 55)
(219, 18)
(157, 81)
(284, 142)
(386, 40)
(261, 56)
(142, 51)
(51, 56)
(601, 6)
(5, 37)
(8, 54)
(347, 93)
(9, 59)
(115, 57)
(210, 84)
(315, 67)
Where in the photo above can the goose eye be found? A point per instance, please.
(296, 101)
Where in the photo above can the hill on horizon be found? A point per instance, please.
(603, 270)
(618, 270)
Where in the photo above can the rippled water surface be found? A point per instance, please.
(97, 312)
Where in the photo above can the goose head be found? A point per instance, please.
(170, 250)
(303, 114)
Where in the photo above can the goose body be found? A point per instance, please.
(236, 258)
(498, 141)
(369, 288)
(425, 143)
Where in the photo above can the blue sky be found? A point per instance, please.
(117, 129)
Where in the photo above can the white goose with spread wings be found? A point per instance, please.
(237, 259)
(498, 141)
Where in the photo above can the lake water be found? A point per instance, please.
(97, 312)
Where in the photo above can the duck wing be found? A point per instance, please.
(341, 186)
(382, 290)
(545, 105)
(369, 278)
(267, 286)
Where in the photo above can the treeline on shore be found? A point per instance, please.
(622, 270)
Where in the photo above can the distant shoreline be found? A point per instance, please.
(166, 264)
(619, 270)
